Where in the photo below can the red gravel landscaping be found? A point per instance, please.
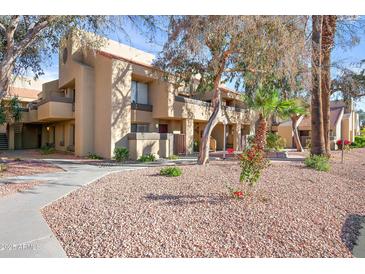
(25, 167)
(293, 212)
(10, 188)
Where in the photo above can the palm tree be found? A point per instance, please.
(317, 135)
(295, 109)
(328, 34)
(266, 101)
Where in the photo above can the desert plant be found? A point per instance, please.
(274, 142)
(47, 149)
(318, 162)
(171, 171)
(252, 162)
(94, 156)
(147, 158)
(3, 167)
(173, 157)
(121, 154)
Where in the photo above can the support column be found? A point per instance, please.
(237, 137)
(188, 130)
(11, 144)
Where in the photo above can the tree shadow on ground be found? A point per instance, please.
(350, 231)
(180, 200)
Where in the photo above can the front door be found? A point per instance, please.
(162, 128)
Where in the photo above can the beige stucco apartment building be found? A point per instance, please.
(113, 97)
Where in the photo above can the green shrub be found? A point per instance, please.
(318, 162)
(147, 158)
(308, 144)
(47, 150)
(121, 154)
(196, 146)
(274, 142)
(173, 157)
(359, 142)
(171, 171)
(3, 167)
(94, 156)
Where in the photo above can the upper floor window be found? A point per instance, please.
(139, 93)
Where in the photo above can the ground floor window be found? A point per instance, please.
(139, 127)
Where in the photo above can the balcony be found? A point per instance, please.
(55, 108)
(200, 110)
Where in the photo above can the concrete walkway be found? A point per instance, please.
(23, 231)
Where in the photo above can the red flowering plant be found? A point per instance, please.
(252, 162)
(346, 144)
(235, 193)
(230, 150)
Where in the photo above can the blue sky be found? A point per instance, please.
(347, 56)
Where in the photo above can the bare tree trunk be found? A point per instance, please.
(294, 122)
(213, 119)
(5, 78)
(260, 134)
(328, 32)
(317, 137)
(212, 122)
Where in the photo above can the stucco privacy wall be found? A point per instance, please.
(150, 143)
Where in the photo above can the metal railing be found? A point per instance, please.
(144, 107)
(207, 104)
(54, 98)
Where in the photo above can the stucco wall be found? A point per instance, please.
(84, 111)
(102, 109)
(285, 131)
(150, 143)
(53, 110)
(120, 103)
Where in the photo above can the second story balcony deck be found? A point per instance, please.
(51, 108)
(200, 110)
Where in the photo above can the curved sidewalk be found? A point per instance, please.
(23, 231)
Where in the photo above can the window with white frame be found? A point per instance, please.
(139, 93)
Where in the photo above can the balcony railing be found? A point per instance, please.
(54, 98)
(192, 101)
(143, 107)
(206, 104)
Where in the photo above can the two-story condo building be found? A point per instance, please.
(114, 97)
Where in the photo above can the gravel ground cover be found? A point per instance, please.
(25, 167)
(293, 212)
(11, 188)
